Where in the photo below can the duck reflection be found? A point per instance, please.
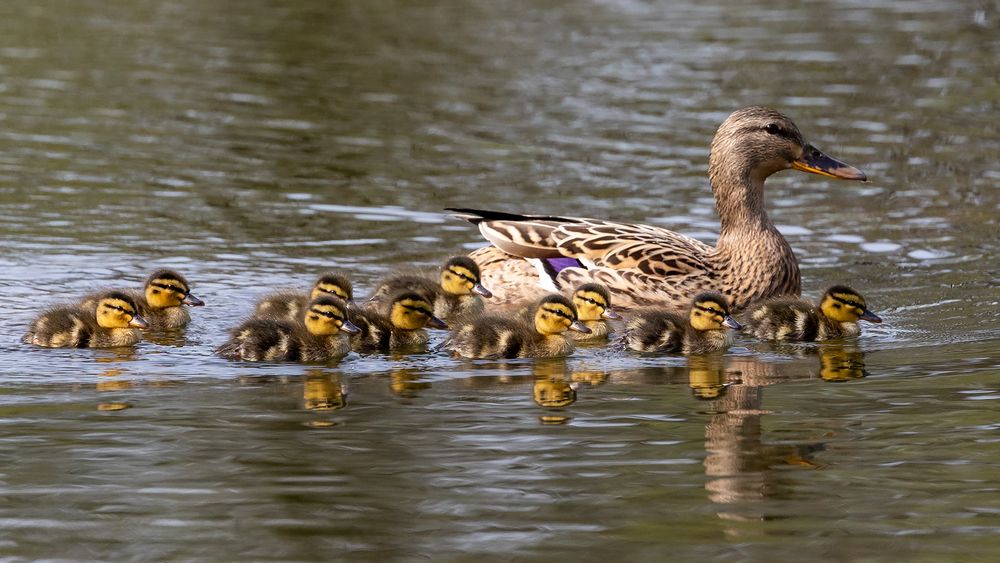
(740, 463)
(323, 391)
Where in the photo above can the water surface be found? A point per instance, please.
(253, 146)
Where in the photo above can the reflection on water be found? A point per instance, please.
(253, 149)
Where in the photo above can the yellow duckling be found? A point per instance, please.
(456, 293)
(161, 300)
(289, 304)
(495, 336)
(320, 335)
(112, 320)
(791, 318)
(663, 330)
(593, 307)
(401, 329)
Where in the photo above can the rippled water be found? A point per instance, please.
(252, 145)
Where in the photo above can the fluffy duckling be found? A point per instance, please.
(112, 320)
(593, 306)
(456, 293)
(791, 318)
(542, 336)
(161, 300)
(663, 330)
(401, 328)
(289, 304)
(321, 334)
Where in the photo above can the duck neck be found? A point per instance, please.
(754, 258)
(739, 200)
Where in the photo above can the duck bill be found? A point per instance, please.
(192, 301)
(579, 327)
(731, 323)
(349, 327)
(870, 317)
(611, 314)
(815, 162)
(478, 289)
(138, 322)
(435, 322)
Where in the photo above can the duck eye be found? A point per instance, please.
(836, 305)
(773, 129)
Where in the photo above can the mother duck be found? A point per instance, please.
(646, 265)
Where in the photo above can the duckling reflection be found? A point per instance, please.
(323, 391)
(841, 363)
(407, 383)
(707, 376)
(550, 388)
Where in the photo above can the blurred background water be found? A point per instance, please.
(253, 144)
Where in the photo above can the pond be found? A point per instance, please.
(253, 145)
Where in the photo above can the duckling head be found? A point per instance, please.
(460, 276)
(710, 311)
(556, 314)
(755, 142)
(117, 310)
(593, 302)
(326, 316)
(167, 288)
(844, 305)
(411, 311)
(335, 285)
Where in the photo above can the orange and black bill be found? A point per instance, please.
(813, 160)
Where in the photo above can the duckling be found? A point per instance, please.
(457, 292)
(111, 321)
(496, 336)
(401, 328)
(289, 304)
(663, 330)
(593, 305)
(791, 318)
(319, 335)
(161, 300)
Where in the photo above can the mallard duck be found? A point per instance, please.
(665, 331)
(112, 320)
(289, 304)
(791, 318)
(161, 300)
(457, 291)
(321, 334)
(401, 328)
(593, 308)
(511, 336)
(644, 265)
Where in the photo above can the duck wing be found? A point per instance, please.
(651, 250)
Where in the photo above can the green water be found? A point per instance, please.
(251, 145)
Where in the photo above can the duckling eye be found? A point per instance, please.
(774, 129)
(836, 305)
